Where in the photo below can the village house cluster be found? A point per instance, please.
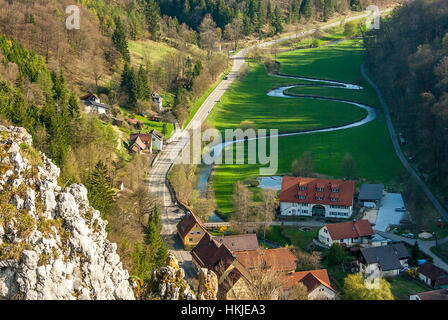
(138, 142)
(238, 260)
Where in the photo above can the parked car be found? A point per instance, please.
(400, 209)
(226, 78)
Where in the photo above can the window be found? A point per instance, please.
(304, 204)
(302, 188)
(334, 199)
(191, 232)
(191, 239)
(334, 190)
(199, 232)
(304, 211)
(302, 197)
(319, 198)
(325, 230)
(320, 189)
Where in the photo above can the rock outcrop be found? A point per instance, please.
(53, 244)
(208, 285)
(168, 283)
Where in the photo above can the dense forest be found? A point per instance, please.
(409, 58)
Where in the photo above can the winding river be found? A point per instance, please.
(281, 92)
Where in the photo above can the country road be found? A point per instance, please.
(398, 150)
(158, 173)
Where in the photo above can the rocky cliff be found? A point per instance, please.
(53, 244)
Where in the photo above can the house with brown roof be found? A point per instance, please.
(441, 294)
(316, 282)
(191, 229)
(93, 104)
(433, 275)
(314, 197)
(251, 266)
(236, 260)
(139, 142)
(347, 233)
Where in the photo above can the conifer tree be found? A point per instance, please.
(328, 9)
(152, 12)
(99, 187)
(306, 10)
(119, 40)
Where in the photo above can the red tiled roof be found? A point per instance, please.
(145, 138)
(211, 250)
(187, 223)
(311, 279)
(139, 143)
(290, 191)
(350, 229)
(279, 259)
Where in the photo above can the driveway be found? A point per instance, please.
(387, 214)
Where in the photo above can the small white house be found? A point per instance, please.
(157, 140)
(93, 104)
(347, 233)
(316, 282)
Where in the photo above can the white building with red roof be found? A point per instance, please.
(347, 233)
(316, 197)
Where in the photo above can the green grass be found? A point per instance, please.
(290, 236)
(402, 287)
(300, 239)
(154, 51)
(274, 234)
(156, 125)
(369, 145)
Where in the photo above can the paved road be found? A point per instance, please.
(398, 150)
(158, 173)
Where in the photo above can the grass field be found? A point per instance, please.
(148, 49)
(369, 145)
(402, 287)
(290, 236)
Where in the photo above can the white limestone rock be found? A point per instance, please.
(69, 259)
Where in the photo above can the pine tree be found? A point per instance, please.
(277, 20)
(99, 187)
(119, 40)
(269, 15)
(144, 93)
(152, 12)
(73, 105)
(328, 9)
(306, 10)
